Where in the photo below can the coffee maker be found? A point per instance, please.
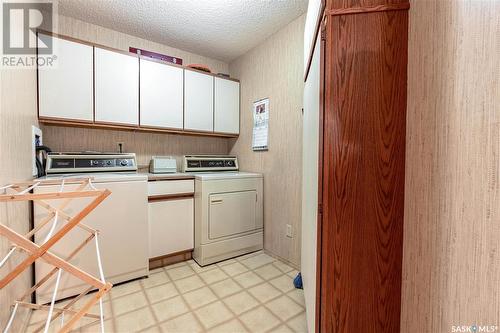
(41, 159)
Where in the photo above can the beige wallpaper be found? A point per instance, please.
(452, 209)
(144, 144)
(274, 69)
(17, 115)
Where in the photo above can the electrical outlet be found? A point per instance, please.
(289, 231)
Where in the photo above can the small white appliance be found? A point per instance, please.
(163, 164)
(228, 208)
(122, 220)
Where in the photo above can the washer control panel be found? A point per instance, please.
(82, 162)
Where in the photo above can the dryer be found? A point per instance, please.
(229, 211)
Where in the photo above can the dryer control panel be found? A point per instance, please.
(194, 163)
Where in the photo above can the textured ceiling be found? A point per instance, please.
(220, 29)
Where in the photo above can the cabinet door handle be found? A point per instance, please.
(216, 201)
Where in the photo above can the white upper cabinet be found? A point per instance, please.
(198, 101)
(98, 85)
(65, 90)
(116, 87)
(161, 95)
(227, 106)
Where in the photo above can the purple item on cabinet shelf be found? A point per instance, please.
(154, 55)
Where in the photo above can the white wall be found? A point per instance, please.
(310, 184)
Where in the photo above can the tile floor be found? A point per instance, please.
(252, 293)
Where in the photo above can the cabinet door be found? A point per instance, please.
(161, 95)
(65, 90)
(171, 226)
(227, 106)
(198, 101)
(116, 87)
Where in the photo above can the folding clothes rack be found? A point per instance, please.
(24, 192)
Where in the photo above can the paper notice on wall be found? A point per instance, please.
(260, 139)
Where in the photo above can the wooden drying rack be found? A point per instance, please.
(24, 192)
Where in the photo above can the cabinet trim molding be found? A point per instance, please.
(171, 255)
(207, 73)
(362, 10)
(169, 197)
(121, 127)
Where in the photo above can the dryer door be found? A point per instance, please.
(231, 213)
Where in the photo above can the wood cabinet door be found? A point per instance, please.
(65, 90)
(198, 101)
(227, 106)
(116, 87)
(161, 95)
(362, 172)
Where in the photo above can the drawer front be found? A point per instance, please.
(171, 227)
(165, 187)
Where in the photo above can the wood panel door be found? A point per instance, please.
(362, 171)
(198, 101)
(161, 96)
(116, 87)
(66, 90)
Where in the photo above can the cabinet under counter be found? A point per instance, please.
(171, 220)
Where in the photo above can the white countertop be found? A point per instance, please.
(138, 176)
(225, 175)
(100, 177)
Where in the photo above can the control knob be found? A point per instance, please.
(124, 163)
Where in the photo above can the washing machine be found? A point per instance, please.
(229, 211)
(122, 220)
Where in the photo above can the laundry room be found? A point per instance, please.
(249, 166)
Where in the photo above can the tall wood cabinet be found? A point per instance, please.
(361, 165)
